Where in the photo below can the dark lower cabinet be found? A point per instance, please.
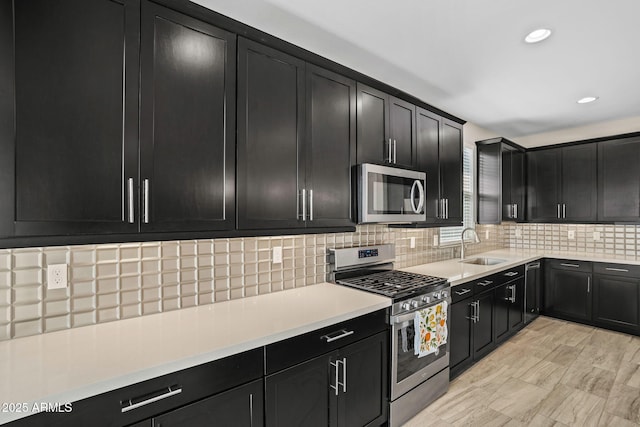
(616, 297)
(241, 407)
(483, 329)
(568, 292)
(347, 387)
(461, 334)
(516, 301)
(187, 123)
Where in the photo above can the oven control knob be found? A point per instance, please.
(444, 294)
(426, 299)
(436, 295)
(414, 304)
(406, 306)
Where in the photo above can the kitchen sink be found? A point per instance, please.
(483, 261)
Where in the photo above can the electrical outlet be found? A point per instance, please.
(571, 234)
(277, 255)
(435, 240)
(518, 232)
(596, 236)
(57, 276)
(412, 242)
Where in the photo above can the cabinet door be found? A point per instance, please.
(619, 180)
(241, 406)
(301, 395)
(501, 312)
(579, 182)
(451, 170)
(402, 124)
(373, 126)
(483, 336)
(460, 344)
(568, 294)
(76, 126)
(427, 159)
(518, 186)
(516, 304)
(331, 144)
(187, 121)
(363, 399)
(543, 196)
(270, 129)
(616, 302)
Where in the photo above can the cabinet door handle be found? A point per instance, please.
(131, 214)
(485, 283)
(251, 410)
(390, 148)
(462, 292)
(511, 273)
(478, 311)
(343, 333)
(133, 403)
(446, 208)
(335, 387)
(310, 205)
(558, 210)
(395, 146)
(515, 211)
(570, 265)
(442, 209)
(304, 204)
(145, 212)
(564, 210)
(344, 374)
(473, 312)
(623, 270)
(588, 284)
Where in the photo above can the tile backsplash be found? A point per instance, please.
(118, 281)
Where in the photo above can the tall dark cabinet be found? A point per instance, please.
(187, 122)
(386, 128)
(562, 184)
(74, 142)
(439, 155)
(296, 140)
(619, 180)
(500, 181)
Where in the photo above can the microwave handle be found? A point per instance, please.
(420, 187)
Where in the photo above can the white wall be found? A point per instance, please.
(473, 133)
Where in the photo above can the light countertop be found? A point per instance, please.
(74, 364)
(459, 273)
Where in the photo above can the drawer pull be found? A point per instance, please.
(462, 292)
(134, 403)
(623, 270)
(571, 265)
(511, 273)
(485, 283)
(343, 333)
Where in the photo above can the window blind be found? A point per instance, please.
(452, 234)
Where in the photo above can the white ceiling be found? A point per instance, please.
(468, 57)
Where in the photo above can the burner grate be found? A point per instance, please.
(393, 283)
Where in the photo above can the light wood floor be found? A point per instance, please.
(552, 373)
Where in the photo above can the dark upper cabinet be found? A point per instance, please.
(330, 147)
(619, 180)
(386, 128)
(562, 184)
(501, 181)
(187, 123)
(75, 139)
(296, 142)
(439, 155)
(271, 166)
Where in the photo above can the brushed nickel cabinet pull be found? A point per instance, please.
(145, 212)
(131, 213)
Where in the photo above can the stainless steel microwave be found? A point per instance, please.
(390, 195)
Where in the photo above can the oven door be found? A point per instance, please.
(388, 194)
(407, 369)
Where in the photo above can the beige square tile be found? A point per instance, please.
(57, 323)
(83, 304)
(27, 295)
(128, 311)
(24, 329)
(27, 277)
(29, 259)
(83, 319)
(83, 256)
(108, 314)
(57, 308)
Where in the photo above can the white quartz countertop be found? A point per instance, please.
(459, 273)
(73, 364)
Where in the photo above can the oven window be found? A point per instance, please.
(408, 362)
(391, 194)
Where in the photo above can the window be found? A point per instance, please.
(452, 234)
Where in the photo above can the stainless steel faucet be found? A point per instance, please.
(476, 239)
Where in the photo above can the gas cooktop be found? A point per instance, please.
(393, 283)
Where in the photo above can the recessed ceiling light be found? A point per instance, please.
(587, 99)
(538, 35)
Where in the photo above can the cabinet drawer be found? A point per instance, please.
(614, 269)
(155, 396)
(567, 264)
(295, 350)
(497, 279)
(460, 292)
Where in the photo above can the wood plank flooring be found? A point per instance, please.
(552, 373)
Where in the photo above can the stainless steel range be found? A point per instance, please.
(418, 324)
